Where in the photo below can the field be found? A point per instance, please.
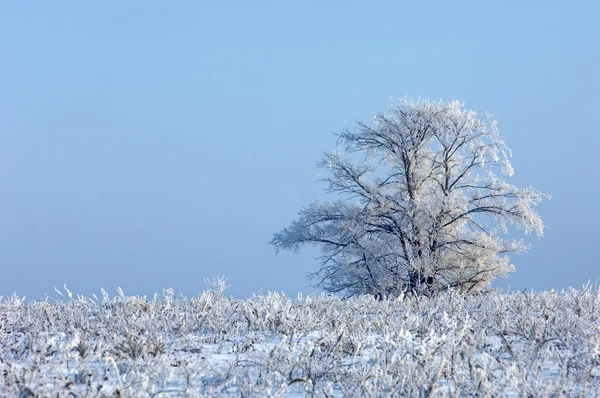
(526, 344)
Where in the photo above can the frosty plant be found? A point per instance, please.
(422, 204)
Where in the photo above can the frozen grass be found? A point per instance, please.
(523, 344)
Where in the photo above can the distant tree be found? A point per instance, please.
(423, 207)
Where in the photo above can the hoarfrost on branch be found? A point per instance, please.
(422, 204)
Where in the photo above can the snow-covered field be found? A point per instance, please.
(524, 344)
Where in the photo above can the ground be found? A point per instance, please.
(495, 344)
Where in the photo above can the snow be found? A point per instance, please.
(493, 344)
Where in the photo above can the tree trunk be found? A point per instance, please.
(418, 281)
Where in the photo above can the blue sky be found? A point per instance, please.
(150, 145)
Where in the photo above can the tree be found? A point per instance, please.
(422, 205)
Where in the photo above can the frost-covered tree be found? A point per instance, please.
(422, 208)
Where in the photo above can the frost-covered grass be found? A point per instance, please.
(523, 344)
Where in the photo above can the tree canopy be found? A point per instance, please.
(422, 205)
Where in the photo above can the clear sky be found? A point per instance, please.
(154, 144)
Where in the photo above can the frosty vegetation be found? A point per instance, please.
(524, 344)
(422, 205)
